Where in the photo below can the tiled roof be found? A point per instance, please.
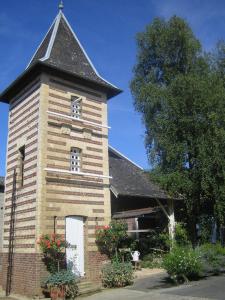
(128, 179)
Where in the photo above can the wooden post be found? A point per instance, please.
(137, 228)
(172, 222)
(171, 217)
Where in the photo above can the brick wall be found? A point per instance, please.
(96, 260)
(28, 273)
(131, 223)
(23, 131)
(46, 193)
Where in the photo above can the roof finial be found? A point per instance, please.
(61, 6)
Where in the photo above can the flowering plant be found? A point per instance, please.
(109, 237)
(53, 247)
(183, 263)
(51, 242)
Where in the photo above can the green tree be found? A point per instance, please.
(180, 94)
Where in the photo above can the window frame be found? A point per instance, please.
(75, 159)
(22, 157)
(76, 107)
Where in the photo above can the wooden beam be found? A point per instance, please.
(170, 216)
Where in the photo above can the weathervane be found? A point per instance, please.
(61, 6)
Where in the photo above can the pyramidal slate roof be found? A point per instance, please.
(61, 51)
(129, 179)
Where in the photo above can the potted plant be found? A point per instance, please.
(62, 284)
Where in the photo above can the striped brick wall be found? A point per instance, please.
(1, 215)
(70, 194)
(23, 131)
(46, 193)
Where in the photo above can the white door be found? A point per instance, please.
(75, 237)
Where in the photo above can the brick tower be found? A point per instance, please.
(57, 159)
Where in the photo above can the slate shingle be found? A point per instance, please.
(66, 52)
(130, 180)
(61, 54)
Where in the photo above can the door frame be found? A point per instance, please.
(84, 237)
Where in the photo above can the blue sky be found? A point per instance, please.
(107, 30)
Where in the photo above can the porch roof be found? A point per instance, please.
(129, 179)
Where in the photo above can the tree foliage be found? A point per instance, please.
(180, 92)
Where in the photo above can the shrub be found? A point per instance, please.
(58, 279)
(216, 248)
(205, 223)
(117, 274)
(181, 237)
(213, 258)
(152, 260)
(183, 263)
(72, 291)
(109, 238)
(153, 241)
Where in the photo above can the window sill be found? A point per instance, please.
(77, 173)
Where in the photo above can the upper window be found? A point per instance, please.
(76, 108)
(75, 159)
(22, 161)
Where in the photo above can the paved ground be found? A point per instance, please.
(157, 287)
(212, 288)
(124, 294)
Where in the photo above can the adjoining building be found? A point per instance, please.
(58, 176)
(135, 198)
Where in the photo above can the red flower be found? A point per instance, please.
(106, 227)
(58, 243)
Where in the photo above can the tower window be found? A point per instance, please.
(22, 161)
(76, 108)
(75, 159)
